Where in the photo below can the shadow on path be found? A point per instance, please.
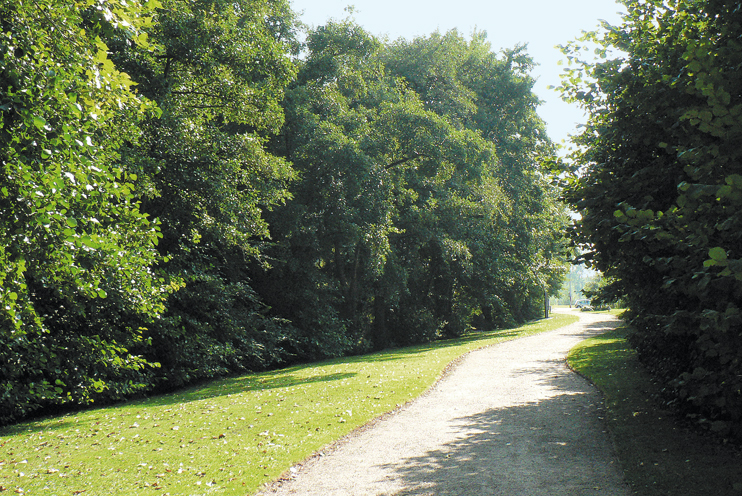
(546, 447)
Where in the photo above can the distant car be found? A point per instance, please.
(584, 304)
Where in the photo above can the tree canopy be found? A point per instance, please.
(408, 224)
(217, 71)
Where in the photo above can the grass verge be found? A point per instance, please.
(230, 436)
(658, 456)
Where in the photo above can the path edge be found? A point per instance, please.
(288, 475)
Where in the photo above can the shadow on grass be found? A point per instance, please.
(215, 389)
(660, 456)
(293, 376)
(406, 352)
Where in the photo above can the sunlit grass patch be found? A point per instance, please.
(658, 456)
(229, 436)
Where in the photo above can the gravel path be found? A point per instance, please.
(510, 419)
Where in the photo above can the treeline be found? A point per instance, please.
(661, 193)
(188, 191)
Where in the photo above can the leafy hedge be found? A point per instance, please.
(661, 193)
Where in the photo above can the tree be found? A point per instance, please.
(354, 134)
(578, 278)
(660, 191)
(400, 229)
(602, 292)
(73, 238)
(217, 69)
(521, 235)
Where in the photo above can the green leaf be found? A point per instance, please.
(143, 40)
(71, 221)
(718, 254)
(734, 180)
(39, 122)
(90, 243)
(724, 191)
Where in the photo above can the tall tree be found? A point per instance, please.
(335, 232)
(466, 82)
(217, 69)
(398, 203)
(75, 247)
(661, 193)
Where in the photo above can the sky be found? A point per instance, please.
(541, 24)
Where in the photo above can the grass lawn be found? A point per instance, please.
(230, 436)
(659, 456)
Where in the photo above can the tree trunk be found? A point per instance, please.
(381, 332)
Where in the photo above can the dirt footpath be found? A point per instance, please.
(511, 419)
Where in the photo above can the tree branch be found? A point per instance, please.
(406, 159)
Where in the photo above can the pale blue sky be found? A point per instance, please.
(542, 24)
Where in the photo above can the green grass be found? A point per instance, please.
(230, 436)
(658, 456)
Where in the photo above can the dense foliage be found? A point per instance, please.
(661, 191)
(76, 251)
(409, 223)
(217, 70)
(185, 194)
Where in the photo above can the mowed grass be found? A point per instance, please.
(230, 436)
(659, 456)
